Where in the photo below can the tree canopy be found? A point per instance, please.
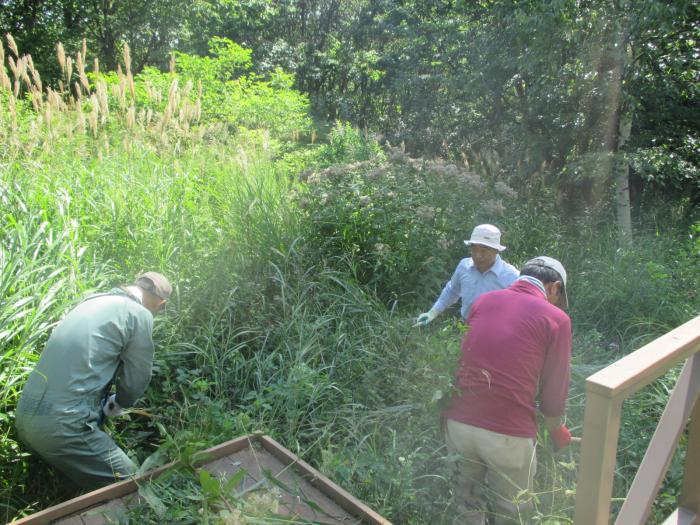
(527, 91)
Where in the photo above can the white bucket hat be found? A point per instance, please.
(486, 235)
(555, 265)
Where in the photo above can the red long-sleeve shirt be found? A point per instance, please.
(516, 353)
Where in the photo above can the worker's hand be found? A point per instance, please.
(424, 319)
(110, 407)
(561, 437)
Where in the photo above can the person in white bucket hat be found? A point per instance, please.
(483, 272)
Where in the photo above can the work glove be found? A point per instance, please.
(561, 437)
(424, 319)
(110, 407)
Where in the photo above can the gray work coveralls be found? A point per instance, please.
(57, 415)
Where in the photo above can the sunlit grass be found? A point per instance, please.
(265, 331)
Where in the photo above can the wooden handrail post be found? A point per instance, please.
(690, 490)
(601, 429)
(663, 444)
(606, 390)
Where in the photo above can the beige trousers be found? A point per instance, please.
(491, 467)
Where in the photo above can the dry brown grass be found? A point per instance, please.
(85, 102)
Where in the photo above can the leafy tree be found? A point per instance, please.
(234, 94)
(37, 25)
(317, 40)
(664, 96)
(538, 92)
(150, 28)
(570, 94)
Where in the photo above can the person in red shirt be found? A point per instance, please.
(515, 360)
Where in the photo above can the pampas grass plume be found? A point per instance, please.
(61, 55)
(12, 44)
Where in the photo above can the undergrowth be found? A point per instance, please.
(298, 270)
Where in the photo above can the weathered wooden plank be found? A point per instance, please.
(117, 490)
(301, 491)
(690, 490)
(663, 444)
(636, 370)
(257, 462)
(230, 464)
(228, 447)
(343, 498)
(112, 509)
(251, 453)
(601, 429)
(83, 502)
(71, 520)
(681, 516)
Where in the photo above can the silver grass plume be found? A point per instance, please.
(12, 44)
(61, 55)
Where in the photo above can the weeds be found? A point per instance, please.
(298, 269)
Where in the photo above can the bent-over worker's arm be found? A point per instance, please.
(137, 359)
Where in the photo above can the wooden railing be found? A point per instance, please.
(605, 392)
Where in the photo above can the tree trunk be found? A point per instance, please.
(619, 132)
(108, 36)
(622, 184)
(622, 188)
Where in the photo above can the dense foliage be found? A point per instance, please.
(521, 89)
(300, 266)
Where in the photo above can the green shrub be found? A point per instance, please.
(347, 144)
(244, 100)
(400, 221)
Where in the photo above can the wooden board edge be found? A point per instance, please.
(122, 488)
(343, 498)
(641, 367)
(225, 448)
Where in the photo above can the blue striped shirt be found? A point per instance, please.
(468, 283)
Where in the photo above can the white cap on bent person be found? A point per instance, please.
(552, 264)
(486, 235)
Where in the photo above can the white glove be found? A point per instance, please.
(110, 407)
(424, 319)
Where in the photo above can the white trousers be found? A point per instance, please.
(491, 467)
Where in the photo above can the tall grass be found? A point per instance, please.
(43, 268)
(92, 194)
(276, 324)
